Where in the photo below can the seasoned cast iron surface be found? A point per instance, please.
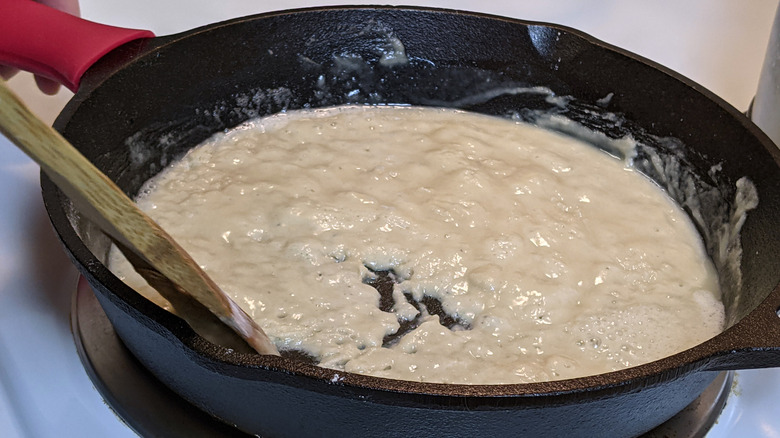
(290, 61)
(150, 101)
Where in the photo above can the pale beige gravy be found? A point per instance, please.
(558, 260)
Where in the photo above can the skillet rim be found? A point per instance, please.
(635, 378)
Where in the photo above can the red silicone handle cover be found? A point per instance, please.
(54, 44)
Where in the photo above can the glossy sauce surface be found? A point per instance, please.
(550, 258)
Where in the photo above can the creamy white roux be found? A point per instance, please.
(557, 259)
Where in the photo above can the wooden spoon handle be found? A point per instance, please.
(100, 200)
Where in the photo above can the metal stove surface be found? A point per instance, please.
(45, 390)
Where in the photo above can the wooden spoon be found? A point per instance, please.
(151, 251)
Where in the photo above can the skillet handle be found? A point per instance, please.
(55, 44)
(753, 342)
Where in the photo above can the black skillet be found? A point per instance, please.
(148, 101)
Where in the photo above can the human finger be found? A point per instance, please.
(46, 85)
(7, 72)
(69, 6)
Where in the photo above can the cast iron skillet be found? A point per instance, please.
(147, 102)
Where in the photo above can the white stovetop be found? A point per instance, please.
(44, 391)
